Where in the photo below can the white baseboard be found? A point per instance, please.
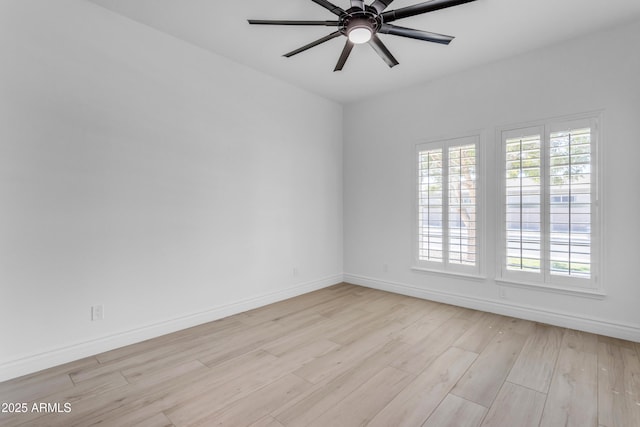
(567, 320)
(37, 362)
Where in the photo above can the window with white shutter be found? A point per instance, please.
(549, 209)
(447, 217)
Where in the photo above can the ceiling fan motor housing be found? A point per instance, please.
(358, 18)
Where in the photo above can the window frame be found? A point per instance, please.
(447, 267)
(545, 280)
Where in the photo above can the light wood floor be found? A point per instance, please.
(348, 356)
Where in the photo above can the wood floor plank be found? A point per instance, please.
(35, 388)
(534, 367)
(364, 402)
(297, 357)
(139, 362)
(141, 418)
(407, 313)
(413, 405)
(515, 406)
(43, 383)
(485, 377)
(333, 308)
(267, 421)
(254, 406)
(572, 400)
(365, 326)
(455, 411)
(432, 318)
(91, 389)
(120, 402)
(221, 391)
(342, 305)
(325, 395)
(421, 354)
(618, 385)
(292, 306)
(322, 329)
(520, 326)
(441, 312)
(481, 332)
(616, 341)
(171, 373)
(253, 338)
(171, 393)
(337, 361)
(375, 301)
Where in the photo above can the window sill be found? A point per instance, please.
(564, 290)
(449, 273)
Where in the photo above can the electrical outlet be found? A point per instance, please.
(503, 293)
(385, 267)
(295, 272)
(97, 312)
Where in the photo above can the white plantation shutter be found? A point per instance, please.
(430, 203)
(447, 204)
(549, 203)
(523, 201)
(570, 199)
(462, 204)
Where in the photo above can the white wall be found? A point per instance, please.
(598, 72)
(136, 171)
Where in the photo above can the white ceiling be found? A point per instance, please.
(485, 30)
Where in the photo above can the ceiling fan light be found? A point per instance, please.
(359, 35)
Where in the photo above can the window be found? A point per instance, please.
(447, 237)
(550, 204)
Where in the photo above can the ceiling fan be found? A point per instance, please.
(362, 23)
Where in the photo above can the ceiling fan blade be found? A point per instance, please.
(277, 22)
(418, 9)
(348, 47)
(330, 7)
(358, 3)
(381, 5)
(382, 50)
(415, 34)
(313, 44)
